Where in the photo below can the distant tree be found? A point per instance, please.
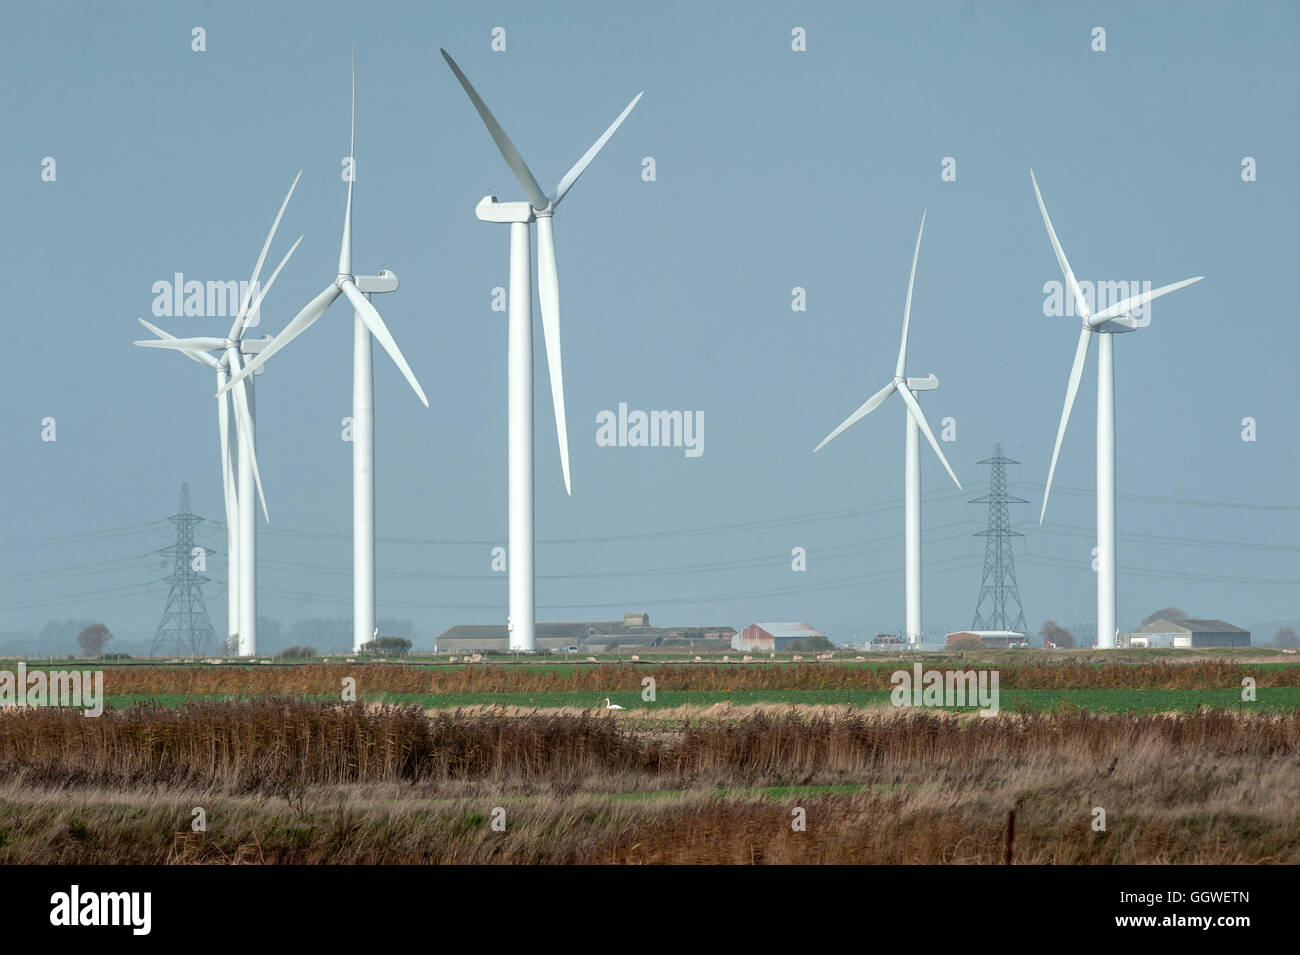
(1165, 613)
(814, 644)
(93, 638)
(386, 647)
(332, 633)
(270, 634)
(1057, 634)
(232, 644)
(57, 636)
(1286, 638)
(297, 653)
(394, 627)
(1085, 634)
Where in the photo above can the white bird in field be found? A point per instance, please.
(611, 706)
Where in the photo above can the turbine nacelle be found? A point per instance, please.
(251, 346)
(1114, 326)
(347, 285)
(490, 209)
(385, 281)
(539, 208)
(1114, 319)
(900, 384)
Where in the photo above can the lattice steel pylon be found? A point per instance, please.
(185, 629)
(999, 587)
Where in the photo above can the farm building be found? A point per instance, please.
(772, 637)
(633, 631)
(994, 639)
(1191, 633)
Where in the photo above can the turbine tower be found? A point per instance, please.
(185, 627)
(227, 356)
(998, 588)
(539, 208)
(916, 425)
(366, 323)
(1110, 321)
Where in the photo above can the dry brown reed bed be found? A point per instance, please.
(307, 782)
(960, 823)
(268, 745)
(322, 678)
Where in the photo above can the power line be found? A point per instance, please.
(1154, 499)
(1151, 572)
(1075, 531)
(123, 531)
(127, 590)
(938, 566)
(741, 526)
(774, 560)
(91, 567)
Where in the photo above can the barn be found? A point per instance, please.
(593, 636)
(999, 639)
(1187, 633)
(772, 637)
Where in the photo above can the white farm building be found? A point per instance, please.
(772, 637)
(1189, 633)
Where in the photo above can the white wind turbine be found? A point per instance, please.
(912, 462)
(1113, 320)
(539, 208)
(366, 323)
(240, 513)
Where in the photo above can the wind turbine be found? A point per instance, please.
(228, 450)
(366, 323)
(1113, 320)
(233, 349)
(905, 388)
(539, 208)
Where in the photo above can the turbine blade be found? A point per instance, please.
(227, 469)
(907, 309)
(914, 409)
(244, 428)
(581, 165)
(511, 155)
(183, 344)
(1080, 304)
(345, 247)
(377, 328)
(1072, 389)
(301, 322)
(265, 289)
(868, 406)
(236, 332)
(1137, 301)
(202, 357)
(548, 287)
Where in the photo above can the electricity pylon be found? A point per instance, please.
(185, 629)
(999, 588)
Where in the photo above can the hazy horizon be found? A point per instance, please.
(774, 170)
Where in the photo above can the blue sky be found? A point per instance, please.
(774, 169)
